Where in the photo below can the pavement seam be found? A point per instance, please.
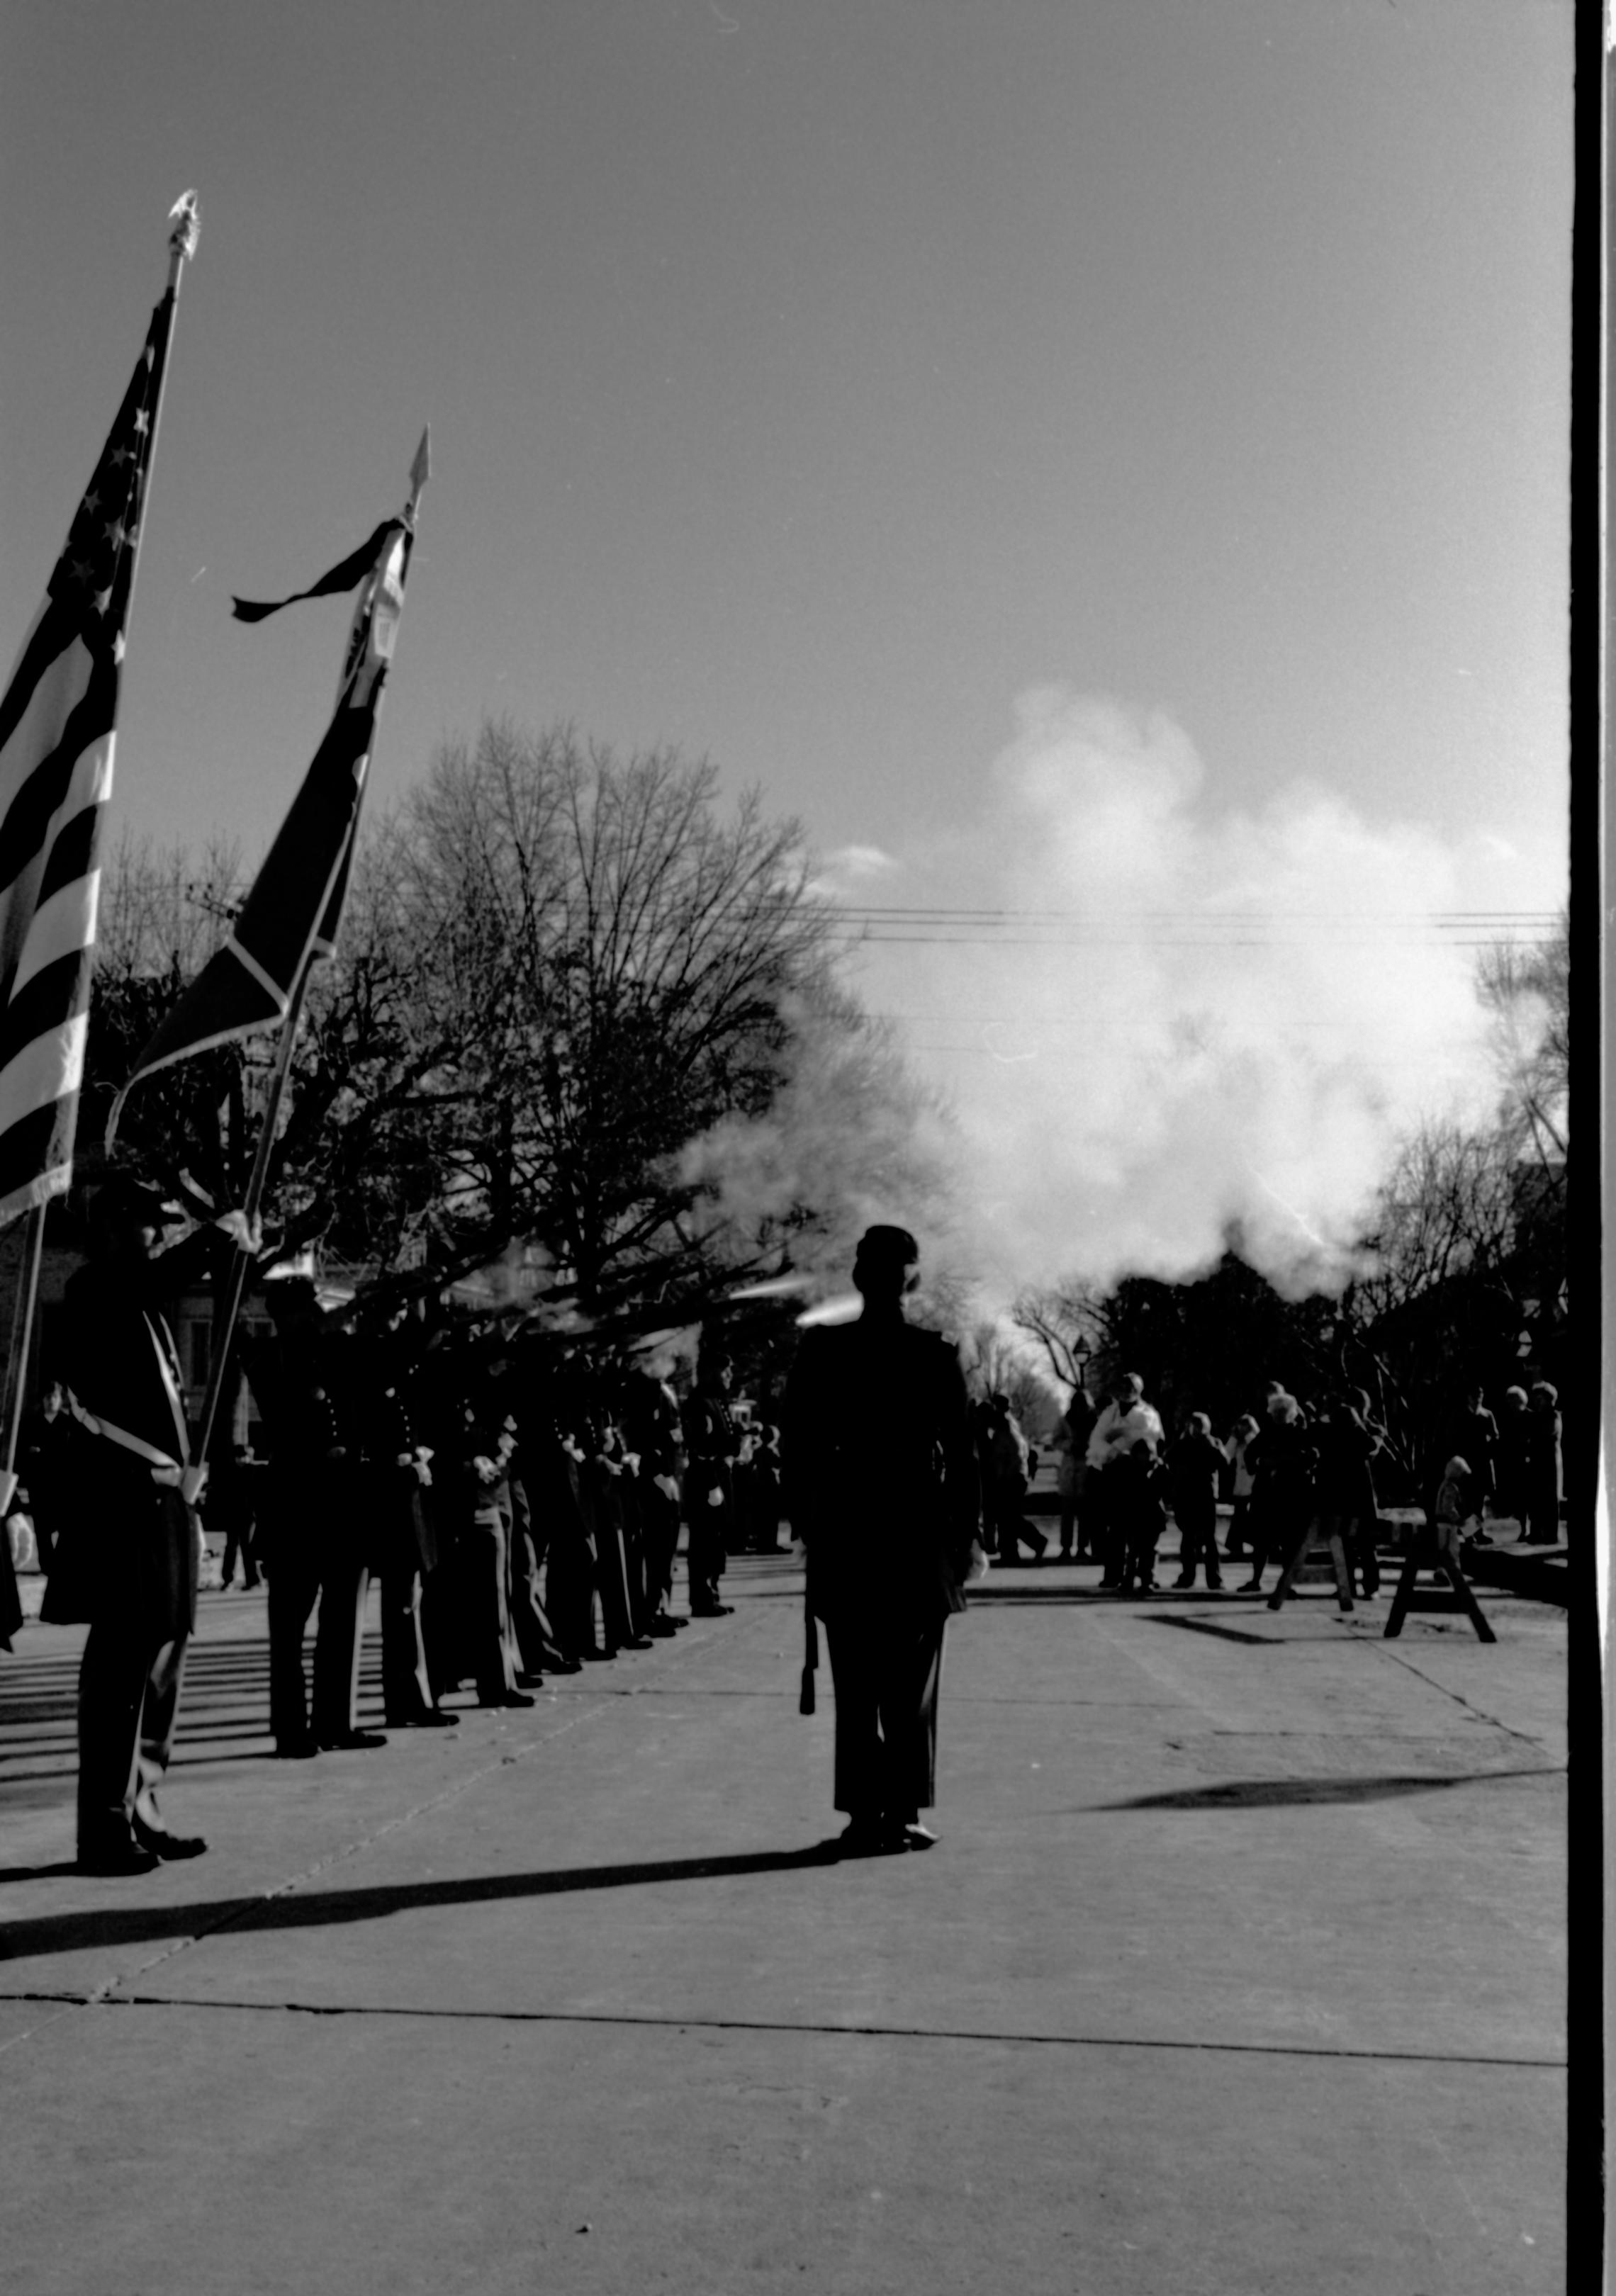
(1401, 1657)
(114, 1987)
(667, 2024)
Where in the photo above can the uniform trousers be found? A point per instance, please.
(660, 1515)
(611, 1549)
(316, 1556)
(129, 1677)
(536, 1643)
(887, 1668)
(128, 1707)
(705, 1553)
(487, 1641)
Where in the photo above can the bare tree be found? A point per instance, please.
(1528, 993)
(620, 965)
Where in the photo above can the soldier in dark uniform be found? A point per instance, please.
(882, 1486)
(470, 1485)
(396, 1475)
(711, 1444)
(131, 1522)
(654, 1434)
(316, 1534)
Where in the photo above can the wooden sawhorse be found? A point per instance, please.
(1425, 1555)
(1333, 1541)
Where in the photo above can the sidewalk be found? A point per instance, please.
(1239, 1967)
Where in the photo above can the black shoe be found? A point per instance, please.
(1252, 1586)
(1185, 1578)
(509, 1697)
(1215, 1585)
(433, 1719)
(864, 1837)
(161, 1843)
(350, 1742)
(127, 1856)
(297, 1750)
(529, 1678)
(712, 1610)
(662, 1630)
(1276, 1601)
(636, 1642)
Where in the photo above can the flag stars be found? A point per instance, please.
(92, 504)
(143, 421)
(103, 599)
(117, 534)
(118, 648)
(122, 455)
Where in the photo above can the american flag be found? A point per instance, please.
(57, 727)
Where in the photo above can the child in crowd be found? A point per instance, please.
(1140, 1514)
(1234, 1451)
(1454, 1514)
(1194, 1466)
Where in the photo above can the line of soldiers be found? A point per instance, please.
(519, 1501)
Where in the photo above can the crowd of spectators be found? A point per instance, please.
(1298, 1470)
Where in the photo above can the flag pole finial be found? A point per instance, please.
(185, 217)
(421, 470)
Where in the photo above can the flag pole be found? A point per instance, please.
(184, 221)
(241, 1259)
(235, 1284)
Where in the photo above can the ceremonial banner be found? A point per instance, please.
(294, 911)
(57, 726)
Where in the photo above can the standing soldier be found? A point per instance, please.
(131, 1519)
(317, 1530)
(711, 1445)
(881, 1487)
(654, 1431)
(396, 1475)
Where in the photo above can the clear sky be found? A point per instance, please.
(810, 383)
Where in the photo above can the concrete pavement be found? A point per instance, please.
(1239, 1966)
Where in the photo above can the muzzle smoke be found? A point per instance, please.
(1185, 1020)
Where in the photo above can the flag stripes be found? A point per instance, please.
(57, 733)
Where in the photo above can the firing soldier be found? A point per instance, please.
(711, 1444)
(654, 1434)
(882, 1486)
(132, 1521)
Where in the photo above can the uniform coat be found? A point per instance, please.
(881, 1487)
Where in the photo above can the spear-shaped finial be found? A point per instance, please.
(421, 470)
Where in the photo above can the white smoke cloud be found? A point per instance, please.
(1190, 1017)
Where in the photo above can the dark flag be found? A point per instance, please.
(58, 721)
(294, 911)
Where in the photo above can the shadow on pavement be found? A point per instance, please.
(1276, 1793)
(1224, 1634)
(150, 1925)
